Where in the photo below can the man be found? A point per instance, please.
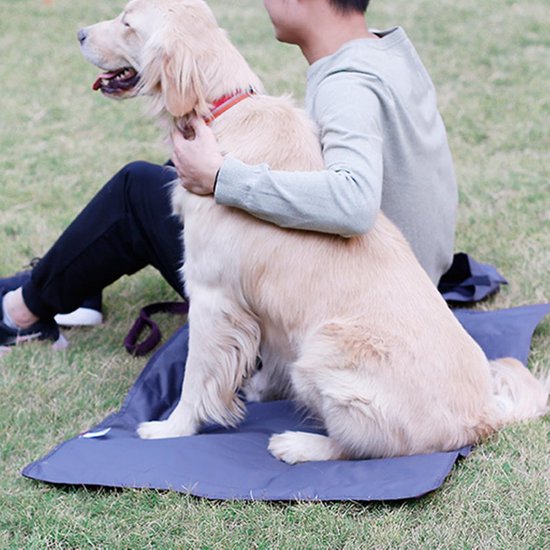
(384, 143)
(384, 146)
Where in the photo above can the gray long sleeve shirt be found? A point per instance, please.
(384, 146)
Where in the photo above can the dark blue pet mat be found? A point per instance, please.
(234, 463)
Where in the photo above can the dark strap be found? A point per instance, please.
(144, 321)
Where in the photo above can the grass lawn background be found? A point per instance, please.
(59, 142)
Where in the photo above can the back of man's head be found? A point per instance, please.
(347, 6)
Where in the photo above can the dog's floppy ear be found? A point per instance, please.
(180, 82)
(171, 66)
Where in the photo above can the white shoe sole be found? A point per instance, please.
(81, 317)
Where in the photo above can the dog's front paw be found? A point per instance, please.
(161, 429)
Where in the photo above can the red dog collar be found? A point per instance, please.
(225, 103)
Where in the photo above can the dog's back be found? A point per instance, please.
(271, 130)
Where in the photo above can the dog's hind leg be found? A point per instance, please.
(223, 343)
(339, 378)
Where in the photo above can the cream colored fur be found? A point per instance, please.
(353, 328)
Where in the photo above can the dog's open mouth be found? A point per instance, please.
(117, 82)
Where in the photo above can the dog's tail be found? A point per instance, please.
(517, 394)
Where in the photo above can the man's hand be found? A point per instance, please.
(197, 160)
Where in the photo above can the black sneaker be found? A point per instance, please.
(90, 313)
(42, 330)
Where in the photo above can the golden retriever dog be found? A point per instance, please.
(352, 328)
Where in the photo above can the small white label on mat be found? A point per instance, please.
(92, 435)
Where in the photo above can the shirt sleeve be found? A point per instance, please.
(342, 199)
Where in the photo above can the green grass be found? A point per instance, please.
(59, 142)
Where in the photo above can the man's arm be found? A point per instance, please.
(342, 199)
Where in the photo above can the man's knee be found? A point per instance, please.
(140, 181)
(142, 173)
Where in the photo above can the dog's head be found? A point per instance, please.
(160, 48)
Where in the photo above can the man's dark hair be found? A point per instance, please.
(346, 6)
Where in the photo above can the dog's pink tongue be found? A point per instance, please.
(97, 84)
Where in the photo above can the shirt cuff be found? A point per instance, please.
(234, 183)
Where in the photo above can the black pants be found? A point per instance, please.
(128, 225)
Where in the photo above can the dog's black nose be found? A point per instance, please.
(82, 34)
